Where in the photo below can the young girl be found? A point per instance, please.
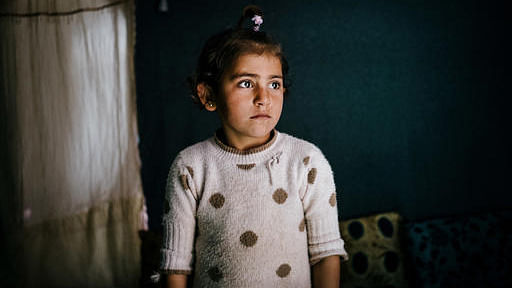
(251, 206)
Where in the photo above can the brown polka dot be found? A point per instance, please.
(280, 196)
(302, 225)
(184, 182)
(190, 171)
(283, 270)
(249, 238)
(312, 176)
(332, 200)
(217, 200)
(306, 160)
(246, 166)
(215, 274)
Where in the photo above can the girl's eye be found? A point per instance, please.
(245, 84)
(275, 85)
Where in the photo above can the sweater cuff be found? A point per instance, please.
(322, 230)
(181, 272)
(177, 250)
(324, 239)
(173, 261)
(319, 251)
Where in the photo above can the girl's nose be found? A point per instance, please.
(262, 98)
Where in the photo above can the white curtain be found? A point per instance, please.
(71, 189)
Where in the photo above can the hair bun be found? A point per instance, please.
(249, 12)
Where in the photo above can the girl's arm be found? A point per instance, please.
(179, 223)
(175, 281)
(321, 217)
(326, 273)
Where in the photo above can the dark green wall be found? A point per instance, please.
(407, 99)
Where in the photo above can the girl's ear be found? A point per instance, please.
(204, 93)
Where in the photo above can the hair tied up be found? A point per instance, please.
(223, 49)
(254, 13)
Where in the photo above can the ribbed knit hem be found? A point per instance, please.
(255, 155)
(342, 253)
(171, 260)
(324, 239)
(258, 149)
(177, 247)
(322, 230)
(172, 271)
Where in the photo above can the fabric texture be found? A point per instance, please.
(69, 128)
(377, 257)
(255, 218)
(463, 251)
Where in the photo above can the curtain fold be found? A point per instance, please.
(71, 188)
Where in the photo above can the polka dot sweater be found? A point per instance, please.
(256, 218)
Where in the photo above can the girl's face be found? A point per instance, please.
(250, 99)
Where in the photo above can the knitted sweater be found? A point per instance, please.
(256, 218)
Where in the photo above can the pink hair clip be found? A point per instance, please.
(257, 22)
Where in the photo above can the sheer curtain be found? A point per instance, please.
(71, 189)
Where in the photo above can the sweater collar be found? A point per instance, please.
(218, 136)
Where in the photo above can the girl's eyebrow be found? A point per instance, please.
(243, 74)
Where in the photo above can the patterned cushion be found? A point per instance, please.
(375, 257)
(471, 251)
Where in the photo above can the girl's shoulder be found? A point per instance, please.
(195, 152)
(307, 153)
(299, 146)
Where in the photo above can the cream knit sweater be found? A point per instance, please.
(255, 218)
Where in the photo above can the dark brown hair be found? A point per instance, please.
(222, 49)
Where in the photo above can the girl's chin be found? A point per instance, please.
(255, 132)
(263, 133)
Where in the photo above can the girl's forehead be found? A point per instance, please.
(256, 61)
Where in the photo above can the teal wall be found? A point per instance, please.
(407, 99)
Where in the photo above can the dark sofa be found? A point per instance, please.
(458, 251)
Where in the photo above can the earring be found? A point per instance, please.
(210, 104)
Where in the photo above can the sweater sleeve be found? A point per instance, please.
(179, 220)
(320, 210)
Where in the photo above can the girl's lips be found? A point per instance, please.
(260, 116)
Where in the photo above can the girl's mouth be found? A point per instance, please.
(260, 116)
